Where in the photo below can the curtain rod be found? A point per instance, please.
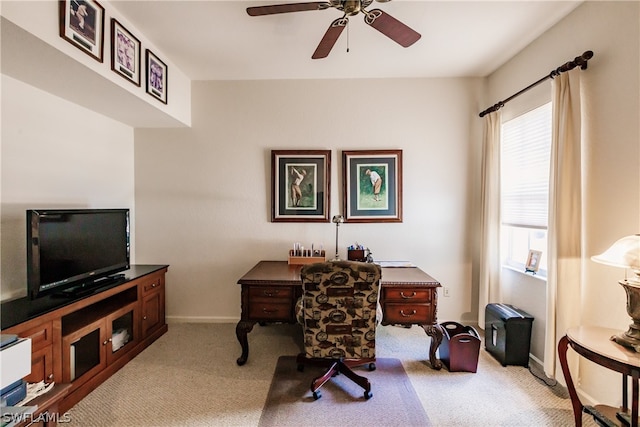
(580, 61)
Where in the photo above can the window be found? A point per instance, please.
(525, 158)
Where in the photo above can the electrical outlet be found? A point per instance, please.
(445, 291)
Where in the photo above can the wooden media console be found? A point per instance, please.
(82, 341)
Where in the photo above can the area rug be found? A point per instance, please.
(394, 402)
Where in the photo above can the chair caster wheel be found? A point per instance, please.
(372, 366)
(368, 395)
(316, 395)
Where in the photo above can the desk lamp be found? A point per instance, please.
(337, 220)
(625, 253)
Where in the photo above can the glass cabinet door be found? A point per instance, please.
(122, 331)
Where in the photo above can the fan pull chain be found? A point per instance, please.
(348, 36)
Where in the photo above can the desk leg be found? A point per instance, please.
(634, 398)
(242, 329)
(436, 334)
(563, 345)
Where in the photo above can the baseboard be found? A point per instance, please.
(201, 319)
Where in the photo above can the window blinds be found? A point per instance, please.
(525, 157)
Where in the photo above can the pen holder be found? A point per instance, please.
(356, 255)
(301, 259)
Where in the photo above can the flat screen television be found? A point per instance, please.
(73, 249)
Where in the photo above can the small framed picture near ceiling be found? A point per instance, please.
(82, 25)
(372, 185)
(125, 53)
(157, 76)
(300, 185)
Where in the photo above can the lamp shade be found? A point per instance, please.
(624, 253)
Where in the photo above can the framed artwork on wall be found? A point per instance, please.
(372, 185)
(156, 77)
(125, 53)
(300, 185)
(82, 25)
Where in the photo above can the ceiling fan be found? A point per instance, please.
(376, 18)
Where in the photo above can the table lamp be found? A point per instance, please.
(337, 220)
(625, 253)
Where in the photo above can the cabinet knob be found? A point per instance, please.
(154, 285)
(144, 318)
(105, 343)
(50, 377)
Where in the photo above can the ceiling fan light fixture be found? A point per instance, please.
(376, 18)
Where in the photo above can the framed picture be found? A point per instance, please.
(533, 261)
(372, 185)
(82, 25)
(156, 77)
(300, 185)
(125, 53)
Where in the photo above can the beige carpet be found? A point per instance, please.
(189, 377)
(291, 403)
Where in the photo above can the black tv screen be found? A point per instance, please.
(74, 248)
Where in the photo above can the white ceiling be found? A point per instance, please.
(218, 40)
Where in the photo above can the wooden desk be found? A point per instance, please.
(593, 343)
(271, 288)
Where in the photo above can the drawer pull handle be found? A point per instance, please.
(271, 293)
(413, 294)
(403, 314)
(267, 311)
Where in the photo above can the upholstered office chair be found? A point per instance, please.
(339, 316)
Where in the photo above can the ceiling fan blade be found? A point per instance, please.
(391, 27)
(286, 8)
(330, 38)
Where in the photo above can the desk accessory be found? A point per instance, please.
(356, 253)
(300, 256)
(307, 257)
(625, 253)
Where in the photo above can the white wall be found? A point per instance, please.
(203, 194)
(57, 155)
(611, 31)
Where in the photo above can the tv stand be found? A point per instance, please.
(83, 340)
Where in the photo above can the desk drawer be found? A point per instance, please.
(408, 295)
(398, 313)
(267, 293)
(271, 311)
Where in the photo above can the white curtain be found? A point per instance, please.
(489, 283)
(565, 270)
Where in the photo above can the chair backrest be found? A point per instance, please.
(339, 308)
